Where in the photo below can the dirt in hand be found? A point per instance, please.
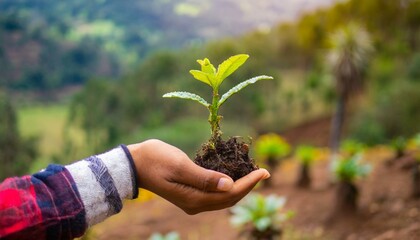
(229, 157)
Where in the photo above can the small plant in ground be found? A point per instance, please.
(229, 157)
(306, 155)
(350, 147)
(399, 145)
(270, 149)
(416, 167)
(169, 236)
(347, 170)
(416, 176)
(260, 217)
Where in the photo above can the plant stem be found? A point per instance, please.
(214, 118)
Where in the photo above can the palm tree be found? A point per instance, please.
(350, 48)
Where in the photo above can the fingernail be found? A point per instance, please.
(224, 184)
(267, 174)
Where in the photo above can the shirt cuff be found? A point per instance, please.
(104, 181)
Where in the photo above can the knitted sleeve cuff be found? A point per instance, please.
(104, 181)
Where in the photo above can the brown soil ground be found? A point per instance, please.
(386, 210)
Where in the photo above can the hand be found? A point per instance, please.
(168, 172)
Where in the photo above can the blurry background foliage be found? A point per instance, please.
(270, 149)
(99, 69)
(306, 154)
(349, 169)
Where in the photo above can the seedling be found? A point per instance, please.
(347, 170)
(351, 147)
(416, 140)
(214, 78)
(350, 168)
(415, 169)
(306, 155)
(260, 217)
(399, 145)
(270, 149)
(215, 152)
(416, 143)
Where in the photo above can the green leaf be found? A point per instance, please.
(202, 76)
(240, 86)
(187, 95)
(229, 66)
(207, 67)
(263, 223)
(273, 203)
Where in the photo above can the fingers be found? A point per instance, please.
(203, 179)
(209, 201)
(246, 183)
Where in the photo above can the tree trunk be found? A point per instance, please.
(304, 180)
(416, 180)
(337, 124)
(346, 199)
(336, 128)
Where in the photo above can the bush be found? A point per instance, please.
(306, 155)
(348, 169)
(271, 148)
(350, 147)
(260, 217)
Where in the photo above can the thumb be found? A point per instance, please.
(204, 179)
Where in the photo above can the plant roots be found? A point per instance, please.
(229, 157)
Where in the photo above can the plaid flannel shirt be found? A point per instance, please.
(62, 202)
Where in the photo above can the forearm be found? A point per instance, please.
(103, 182)
(61, 202)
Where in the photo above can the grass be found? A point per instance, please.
(47, 123)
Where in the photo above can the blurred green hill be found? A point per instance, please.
(47, 44)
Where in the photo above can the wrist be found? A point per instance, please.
(136, 155)
(134, 172)
(103, 182)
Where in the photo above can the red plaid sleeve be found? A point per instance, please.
(45, 205)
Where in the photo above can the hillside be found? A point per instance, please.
(49, 44)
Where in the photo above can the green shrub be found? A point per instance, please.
(271, 148)
(416, 140)
(351, 147)
(260, 217)
(399, 145)
(348, 169)
(306, 155)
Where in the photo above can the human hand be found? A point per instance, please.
(168, 172)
